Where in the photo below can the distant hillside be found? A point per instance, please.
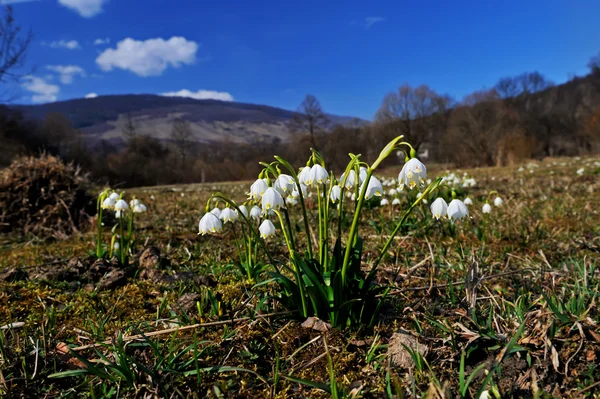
(210, 120)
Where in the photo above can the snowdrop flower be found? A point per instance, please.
(271, 200)
(384, 201)
(457, 209)
(468, 201)
(580, 171)
(108, 203)
(304, 175)
(216, 211)
(393, 192)
(336, 193)
(291, 201)
(485, 395)
(374, 188)
(284, 184)
(115, 197)
(244, 210)
(152, 197)
(258, 188)
(498, 201)
(228, 215)
(295, 193)
(362, 174)
(121, 205)
(318, 175)
(116, 246)
(439, 208)
(255, 212)
(118, 214)
(396, 201)
(134, 202)
(350, 180)
(139, 208)
(210, 224)
(413, 173)
(266, 229)
(487, 208)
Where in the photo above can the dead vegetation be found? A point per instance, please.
(44, 197)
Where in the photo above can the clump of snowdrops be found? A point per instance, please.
(122, 233)
(322, 275)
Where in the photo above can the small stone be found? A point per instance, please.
(187, 302)
(115, 278)
(316, 324)
(399, 355)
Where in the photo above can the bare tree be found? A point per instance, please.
(410, 112)
(309, 118)
(13, 47)
(181, 133)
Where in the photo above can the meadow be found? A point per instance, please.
(499, 304)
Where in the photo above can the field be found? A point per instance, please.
(501, 304)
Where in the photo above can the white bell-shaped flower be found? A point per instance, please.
(284, 184)
(244, 210)
(304, 175)
(498, 201)
(413, 173)
(468, 201)
(384, 202)
(118, 214)
(296, 194)
(318, 175)
(291, 201)
(457, 210)
(134, 202)
(257, 189)
(108, 203)
(114, 196)
(255, 212)
(139, 208)
(216, 211)
(393, 192)
(439, 208)
(116, 246)
(396, 201)
(362, 174)
(228, 215)
(121, 205)
(374, 188)
(271, 200)
(336, 193)
(487, 208)
(266, 229)
(350, 180)
(210, 224)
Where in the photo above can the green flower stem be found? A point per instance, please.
(99, 227)
(320, 212)
(429, 189)
(121, 246)
(354, 227)
(295, 266)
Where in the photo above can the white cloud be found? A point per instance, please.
(68, 44)
(66, 73)
(85, 8)
(91, 95)
(370, 21)
(43, 92)
(201, 94)
(100, 42)
(149, 57)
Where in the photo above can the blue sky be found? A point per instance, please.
(348, 54)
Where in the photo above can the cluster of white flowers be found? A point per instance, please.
(454, 211)
(116, 203)
(454, 180)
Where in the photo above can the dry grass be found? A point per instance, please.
(534, 278)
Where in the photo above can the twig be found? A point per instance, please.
(177, 329)
(400, 290)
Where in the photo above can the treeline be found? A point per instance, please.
(522, 117)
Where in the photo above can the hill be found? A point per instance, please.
(210, 120)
